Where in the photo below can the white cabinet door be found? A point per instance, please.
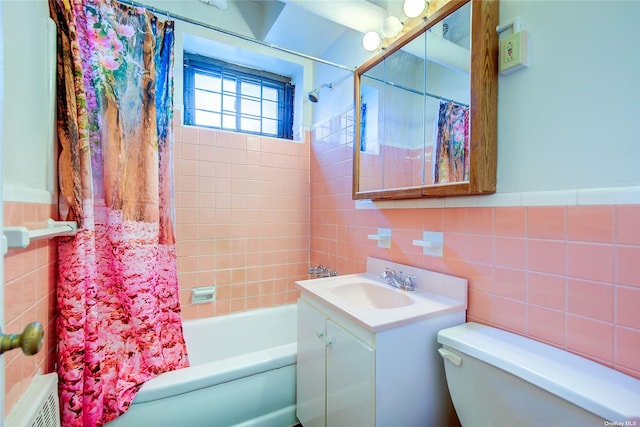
(311, 366)
(350, 380)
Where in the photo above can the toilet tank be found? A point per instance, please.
(497, 378)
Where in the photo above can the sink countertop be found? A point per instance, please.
(427, 302)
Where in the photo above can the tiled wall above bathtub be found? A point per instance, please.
(242, 214)
(29, 295)
(565, 275)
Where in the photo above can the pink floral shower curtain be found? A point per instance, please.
(119, 321)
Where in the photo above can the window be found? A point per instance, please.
(226, 96)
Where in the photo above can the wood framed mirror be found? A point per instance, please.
(426, 108)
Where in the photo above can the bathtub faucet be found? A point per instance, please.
(395, 279)
(322, 271)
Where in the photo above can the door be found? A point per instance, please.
(350, 379)
(310, 366)
(1, 217)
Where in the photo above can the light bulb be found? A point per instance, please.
(371, 41)
(391, 27)
(413, 8)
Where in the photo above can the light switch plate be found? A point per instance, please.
(513, 52)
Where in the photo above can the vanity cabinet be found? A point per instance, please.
(335, 373)
(350, 376)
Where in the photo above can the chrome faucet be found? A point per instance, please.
(395, 279)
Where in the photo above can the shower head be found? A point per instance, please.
(314, 95)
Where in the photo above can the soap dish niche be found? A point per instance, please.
(203, 294)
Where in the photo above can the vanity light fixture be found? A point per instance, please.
(414, 8)
(391, 27)
(371, 41)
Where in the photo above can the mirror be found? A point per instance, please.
(426, 108)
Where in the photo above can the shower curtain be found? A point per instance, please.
(119, 321)
(451, 162)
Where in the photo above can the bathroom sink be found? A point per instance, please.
(369, 295)
(368, 300)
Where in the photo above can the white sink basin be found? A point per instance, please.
(369, 301)
(369, 295)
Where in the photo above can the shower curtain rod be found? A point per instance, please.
(174, 16)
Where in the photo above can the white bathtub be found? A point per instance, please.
(242, 373)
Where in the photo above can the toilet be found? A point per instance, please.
(497, 378)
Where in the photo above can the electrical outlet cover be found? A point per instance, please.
(513, 52)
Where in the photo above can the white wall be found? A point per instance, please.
(28, 126)
(348, 51)
(572, 119)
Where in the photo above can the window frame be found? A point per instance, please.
(198, 64)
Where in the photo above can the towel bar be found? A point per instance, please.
(21, 237)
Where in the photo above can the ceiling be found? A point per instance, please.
(312, 26)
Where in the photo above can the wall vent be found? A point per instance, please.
(39, 406)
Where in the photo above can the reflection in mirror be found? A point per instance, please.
(415, 110)
(448, 70)
(392, 107)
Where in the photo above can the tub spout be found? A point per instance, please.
(322, 271)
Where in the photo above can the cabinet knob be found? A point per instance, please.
(319, 334)
(30, 340)
(330, 343)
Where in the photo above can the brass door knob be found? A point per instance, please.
(30, 340)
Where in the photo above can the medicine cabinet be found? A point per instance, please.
(426, 107)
